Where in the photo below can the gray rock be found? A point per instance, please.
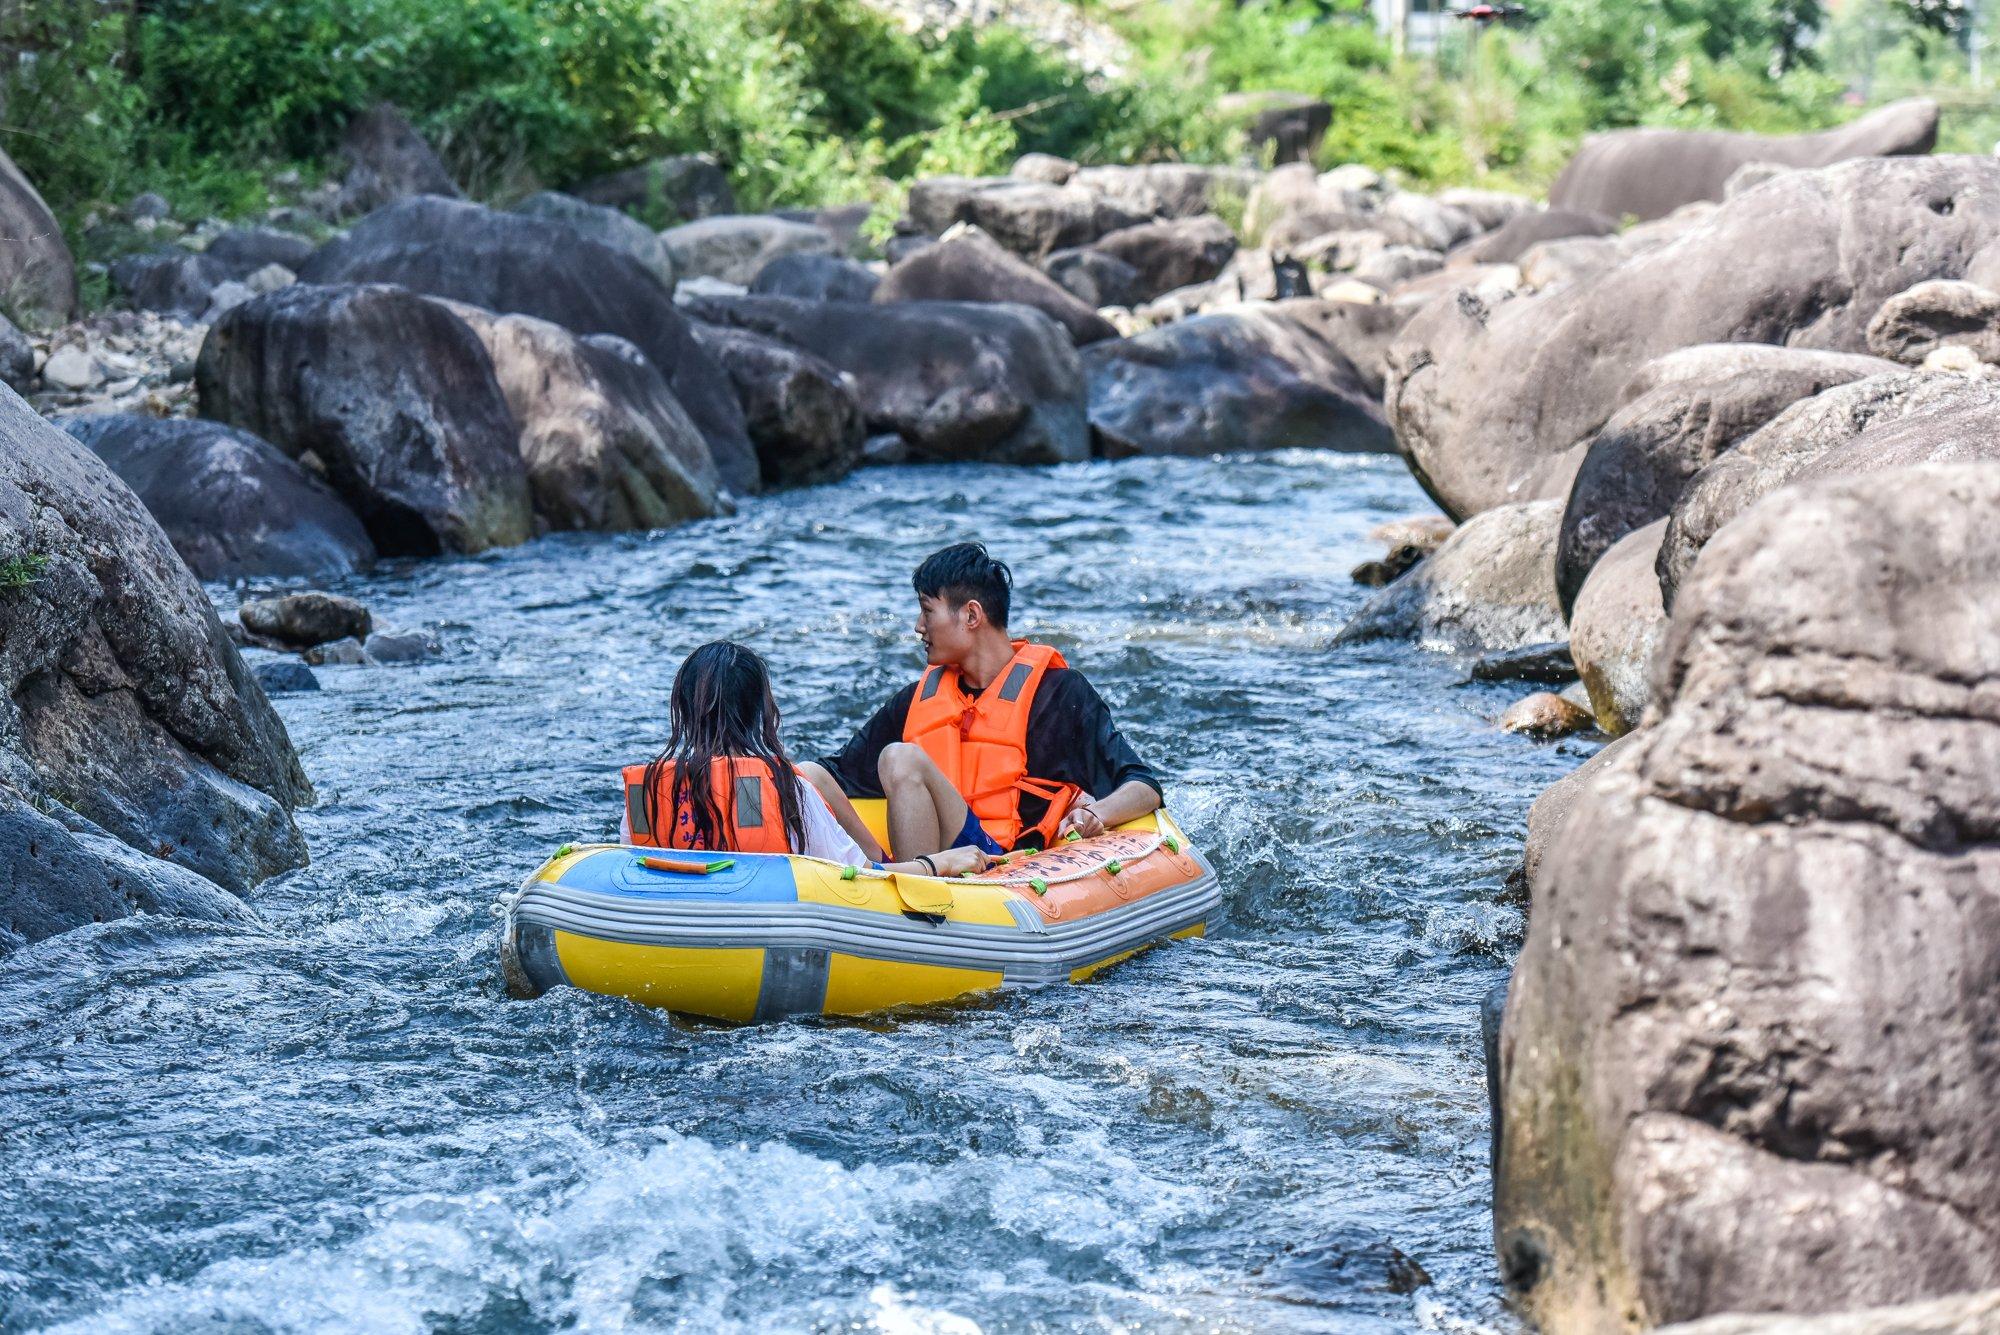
(37, 272)
(1393, 266)
(242, 251)
(1249, 379)
(1171, 253)
(282, 676)
(149, 206)
(1093, 277)
(1490, 397)
(666, 190)
(1939, 314)
(1168, 189)
(968, 265)
(1549, 663)
(1490, 586)
(1046, 168)
(403, 646)
(1515, 237)
(393, 393)
(736, 247)
(606, 445)
(17, 356)
(1959, 1314)
(124, 709)
(884, 450)
(340, 653)
(1554, 263)
(1649, 173)
(518, 265)
(606, 226)
(1886, 421)
(1616, 627)
(1412, 219)
(1683, 410)
(1287, 126)
(1027, 218)
(957, 380)
(269, 279)
(173, 281)
(1751, 175)
(1746, 1061)
(233, 506)
(71, 368)
(804, 416)
(388, 160)
(1489, 210)
(815, 277)
(302, 620)
(227, 297)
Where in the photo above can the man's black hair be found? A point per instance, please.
(963, 572)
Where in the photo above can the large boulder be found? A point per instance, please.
(1249, 378)
(666, 190)
(1747, 1059)
(532, 266)
(1166, 189)
(242, 251)
(1517, 235)
(968, 265)
(735, 247)
(37, 272)
(1958, 1314)
(1649, 173)
(172, 281)
(388, 160)
(1615, 628)
(810, 276)
(1685, 409)
(1171, 253)
(607, 227)
(1027, 217)
(803, 415)
(233, 505)
(606, 445)
(391, 393)
(1490, 586)
(1094, 278)
(1885, 421)
(1492, 398)
(1288, 127)
(141, 768)
(957, 380)
(1943, 313)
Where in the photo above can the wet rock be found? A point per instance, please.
(1171, 253)
(340, 653)
(1515, 237)
(1684, 410)
(885, 450)
(127, 721)
(1492, 1007)
(607, 227)
(1545, 716)
(71, 368)
(1027, 218)
(1169, 189)
(1250, 379)
(242, 251)
(957, 380)
(1388, 567)
(1886, 421)
(1550, 663)
(1746, 1061)
(1491, 396)
(233, 506)
(1651, 172)
(518, 265)
(388, 160)
(736, 247)
(804, 417)
(1289, 126)
(282, 676)
(666, 190)
(1490, 586)
(37, 272)
(1959, 1314)
(968, 265)
(1094, 278)
(393, 393)
(606, 445)
(402, 646)
(17, 356)
(1943, 313)
(1616, 627)
(175, 281)
(302, 620)
(815, 277)
(1352, 1264)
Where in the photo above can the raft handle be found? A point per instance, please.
(685, 868)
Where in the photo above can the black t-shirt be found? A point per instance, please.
(1071, 739)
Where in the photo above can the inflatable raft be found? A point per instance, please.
(750, 937)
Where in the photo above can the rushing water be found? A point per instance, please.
(336, 1121)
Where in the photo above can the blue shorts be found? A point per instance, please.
(975, 834)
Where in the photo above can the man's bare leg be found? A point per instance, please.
(925, 811)
(843, 810)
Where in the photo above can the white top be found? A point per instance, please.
(824, 837)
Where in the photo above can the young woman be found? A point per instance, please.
(724, 781)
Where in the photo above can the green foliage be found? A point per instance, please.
(18, 572)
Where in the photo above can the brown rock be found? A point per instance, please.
(1544, 716)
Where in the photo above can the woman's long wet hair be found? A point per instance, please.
(722, 708)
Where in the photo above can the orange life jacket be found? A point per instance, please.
(981, 742)
(753, 821)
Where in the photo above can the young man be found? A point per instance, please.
(999, 745)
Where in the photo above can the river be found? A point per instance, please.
(336, 1121)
